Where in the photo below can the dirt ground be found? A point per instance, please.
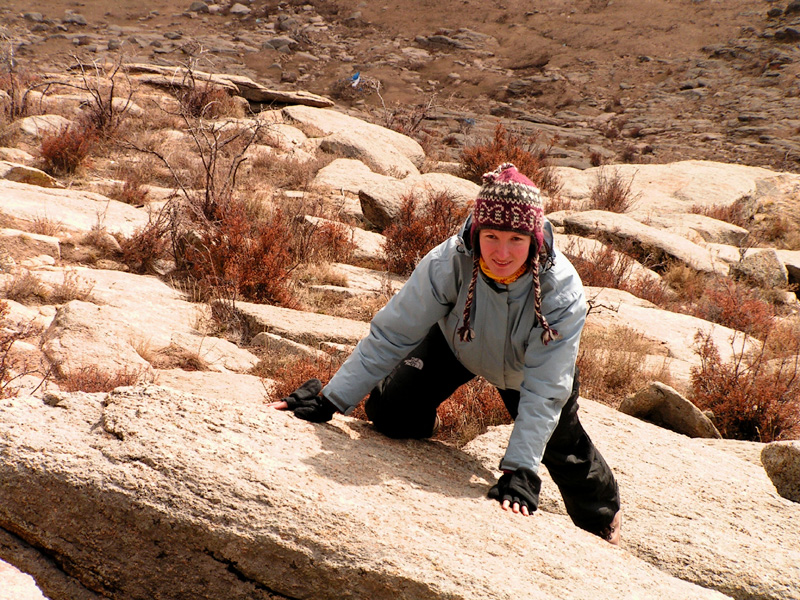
(708, 79)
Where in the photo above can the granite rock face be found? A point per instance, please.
(147, 492)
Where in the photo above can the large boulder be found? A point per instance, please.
(676, 187)
(148, 493)
(781, 460)
(125, 320)
(661, 243)
(387, 151)
(661, 405)
(310, 329)
(689, 506)
(763, 267)
(25, 174)
(71, 209)
(700, 226)
(381, 201)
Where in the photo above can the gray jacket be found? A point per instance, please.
(507, 349)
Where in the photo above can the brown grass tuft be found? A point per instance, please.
(613, 364)
(93, 379)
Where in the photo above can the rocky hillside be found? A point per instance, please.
(180, 470)
(606, 81)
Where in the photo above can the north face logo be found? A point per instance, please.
(414, 362)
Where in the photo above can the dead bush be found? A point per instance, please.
(605, 267)
(109, 105)
(17, 84)
(292, 373)
(613, 364)
(611, 192)
(10, 369)
(282, 172)
(752, 397)
(72, 287)
(175, 357)
(25, 287)
(142, 250)
(204, 100)
(420, 226)
(65, 151)
(530, 158)
(232, 254)
(737, 213)
(132, 189)
(93, 379)
(470, 411)
(733, 304)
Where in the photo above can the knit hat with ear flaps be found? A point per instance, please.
(508, 201)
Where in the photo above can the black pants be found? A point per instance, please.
(404, 406)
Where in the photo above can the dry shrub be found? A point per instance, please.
(753, 397)
(328, 242)
(7, 339)
(175, 357)
(147, 245)
(611, 192)
(45, 226)
(284, 173)
(530, 159)
(470, 411)
(556, 203)
(71, 288)
(292, 373)
(92, 379)
(25, 287)
(207, 101)
(733, 304)
(238, 256)
(17, 84)
(604, 267)
(612, 364)
(65, 151)
(132, 190)
(736, 213)
(417, 229)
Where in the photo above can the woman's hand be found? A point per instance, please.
(307, 404)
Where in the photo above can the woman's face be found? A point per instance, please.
(504, 251)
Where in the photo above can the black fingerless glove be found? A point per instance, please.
(522, 486)
(307, 404)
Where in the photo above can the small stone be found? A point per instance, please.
(781, 461)
(74, 18)
(198, 6)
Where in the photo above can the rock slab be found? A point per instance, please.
(148, 493)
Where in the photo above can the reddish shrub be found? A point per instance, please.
(64, 152)
(737, 306)
(468, 413)
(147, 244)
(206, 101)
(242, 257)
(417, 230)
(529, 158)
(93, 379)
(751, 398)
(736, 213)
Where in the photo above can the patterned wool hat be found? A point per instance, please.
(508, 201)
